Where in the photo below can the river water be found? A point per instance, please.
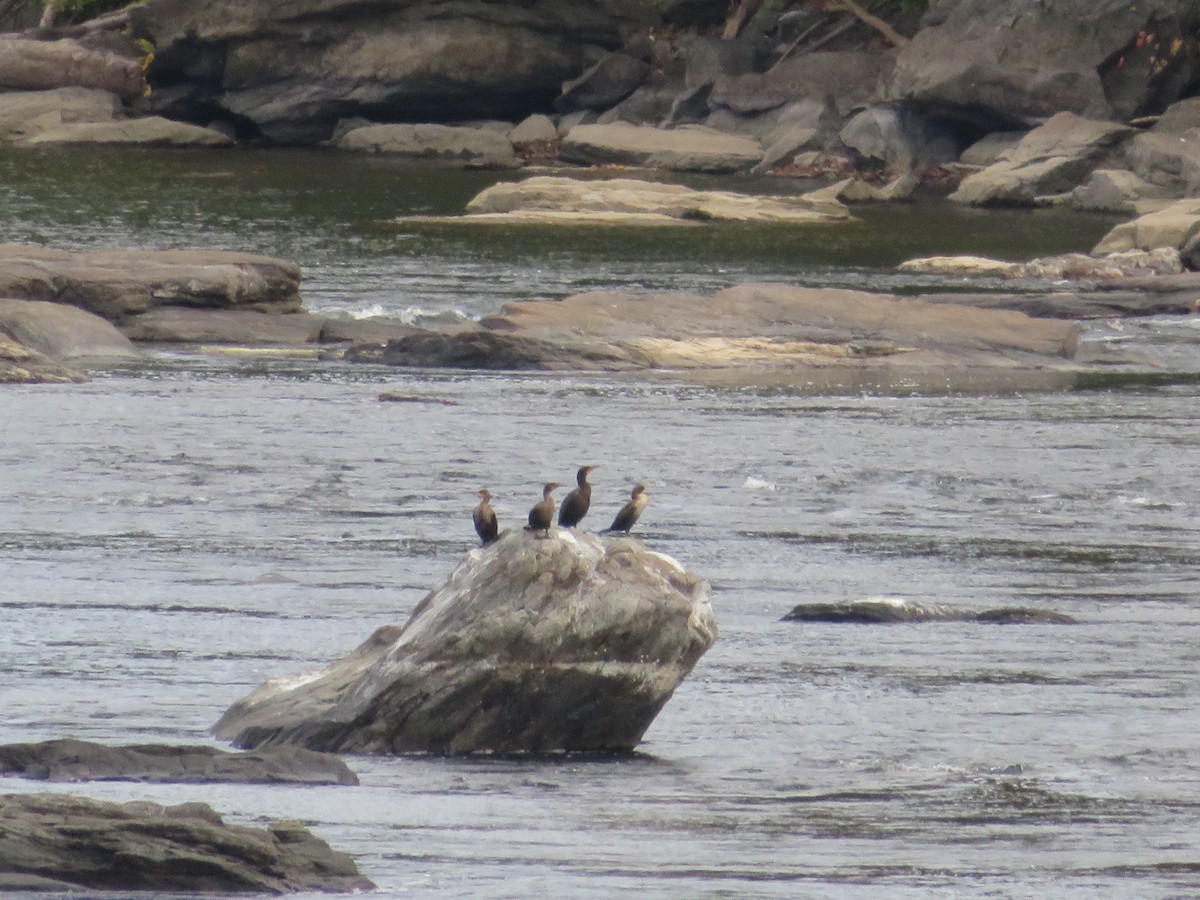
(174, 533)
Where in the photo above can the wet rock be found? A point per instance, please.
(244, 327)
(63, 333)
(75, 760)
(291, 71)
(605, 84)
(533, 645)
(21, 365)
(1000, 63)
(1172, 226)
(32, 65)
(151, 131)
(470, 148)
(58, 839)
(690, 148)
(117, 284)
(892, 610)
(25, 114)
(1114, 190)
(632, 201)
(1052, 159)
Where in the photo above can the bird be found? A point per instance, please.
(485, 519)
(575, 507)
(630, 511)
(542, 514)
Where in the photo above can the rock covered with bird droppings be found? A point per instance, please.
(533, 645)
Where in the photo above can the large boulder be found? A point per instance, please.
(1051, 159)
(24, 114)
(64, 333)
(609, 81)
(293, 70)
(899, 139)
(847, 80)
(74, 760)
(533, 645)
(997, 63)
(57, 842)
(1168, 160)
(1173, 226)
(117, 284)
(631, 201)
(689, 148)
(32, 65)
(1114, 191)
(149, 131)
(468, 148)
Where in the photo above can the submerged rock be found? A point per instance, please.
(533, 645)
(74, 760)
(890, 610)
(59, 842)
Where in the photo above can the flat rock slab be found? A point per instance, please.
(74, 760)
(551, 199)
(691, 148)
(151, 131)
(57, 841)
(25, 114)
(243, 327)
(469, 148)
(118, 284)
(534, 644)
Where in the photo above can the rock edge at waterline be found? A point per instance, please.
(569, 643)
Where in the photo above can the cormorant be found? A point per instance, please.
(575, 507)
(485, 519)
(630, 511)
(542, 514)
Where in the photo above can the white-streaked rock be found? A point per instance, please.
(532, 645)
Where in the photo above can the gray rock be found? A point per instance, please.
(32, 65)
(1172, 226)
(64, 333)
(1005, 62)
(24, 114)
(690, 148)
(899, 139)
(689, 106)
(151, 131)
(57, 839)
(708, 58)
(1114, 190)
(846, 80)
(293, 70)
(1052, 159)
(536, 127)
(117, 284)
(1165, 159)
(798, 127)
(650, 104)
(859, 191)
(609, 81)
(469, 148)
(73, 760)
(891, 610)
(1180, 117)
(533, 645)
(21, 365)
(991, 148)
(242, 327)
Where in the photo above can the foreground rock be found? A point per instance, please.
(533, 645)
(690, 148)
(891, 610)
(56, 842)
(74, 760)
(549, 199)
(120, 284)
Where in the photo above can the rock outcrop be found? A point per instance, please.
(74, 760)
(533, 645)
(291, 71)
(57, 842)
(33, 65)
(629, 201)
(120, 284)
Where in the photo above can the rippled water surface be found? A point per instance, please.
(174, 533)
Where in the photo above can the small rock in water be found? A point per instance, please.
(755, 483)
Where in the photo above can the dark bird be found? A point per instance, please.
(485, 519)
(575, 507)
(629, 513)
(542, 514)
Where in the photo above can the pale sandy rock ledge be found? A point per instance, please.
(555, 200)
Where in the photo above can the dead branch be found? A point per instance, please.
(745, 9)
(869, 19)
